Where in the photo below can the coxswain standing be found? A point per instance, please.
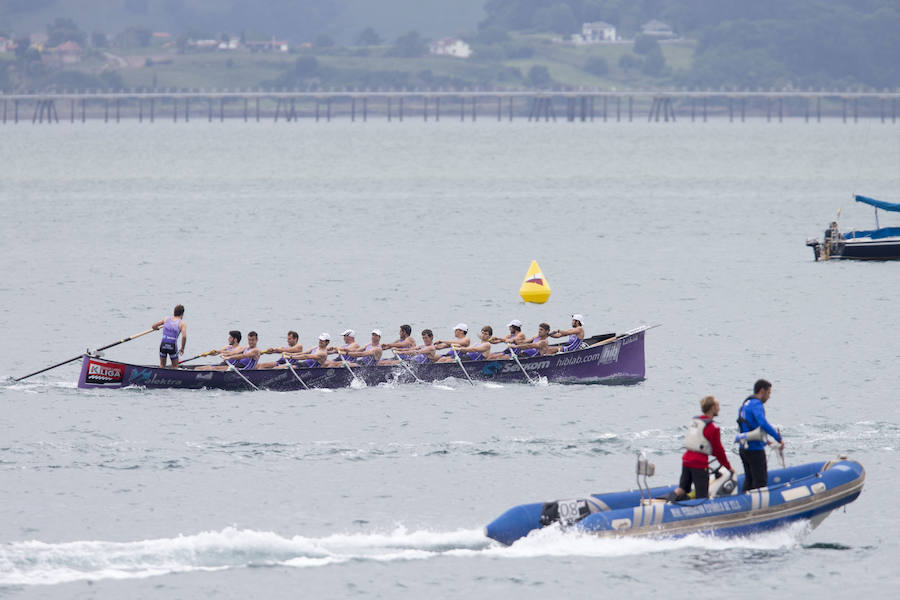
(172, 328)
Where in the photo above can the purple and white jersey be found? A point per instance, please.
(171, 329)
(573, 344)
(366, 361)
(245, 363)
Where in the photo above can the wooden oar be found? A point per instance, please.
(408, 368)
(352, 374)
(181, 362)
(516, 357)
(291, 367)
(65, 362)
(231, 367)
(459, 362)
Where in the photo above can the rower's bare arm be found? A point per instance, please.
(573, 330)
(158, 324)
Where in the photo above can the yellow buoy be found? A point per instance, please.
(535, 288)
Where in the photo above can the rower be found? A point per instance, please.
(405, 342)
(233, 345)
(315, 357)
(172, 327)
(476, 351)
(234, 354)
(371, 354)
(349, 344)
(293, 347)
(461, 339)
(423, 353)
(538, 345)
(576, 335)
(515, 337)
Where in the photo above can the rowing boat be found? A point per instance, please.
(608, 359)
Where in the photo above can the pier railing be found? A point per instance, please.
(464, 105)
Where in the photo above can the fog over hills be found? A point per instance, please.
(294, 20)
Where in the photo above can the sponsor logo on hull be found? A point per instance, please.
(104, 373)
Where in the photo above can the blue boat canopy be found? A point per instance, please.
(878, 203)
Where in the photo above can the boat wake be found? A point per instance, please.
(39, 563)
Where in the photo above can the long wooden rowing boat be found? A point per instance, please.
(617, 359)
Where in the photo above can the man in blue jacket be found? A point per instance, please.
(753, 456)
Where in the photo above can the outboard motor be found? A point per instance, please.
(647, 469)
(722, 483)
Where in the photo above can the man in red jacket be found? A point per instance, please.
(702, 440)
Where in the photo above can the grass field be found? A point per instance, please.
(163, 68)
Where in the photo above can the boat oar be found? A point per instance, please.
(352, 374)
(524, 372)
(65, 362)
(291, 367)
(408, 368)
(181, 362)
(459, 362)
(231, 367)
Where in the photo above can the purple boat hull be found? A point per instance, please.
(619, 360)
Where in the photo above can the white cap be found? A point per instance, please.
(515, 323)
(324, 337)
(462, 326)
(578, 318)
(376, 332)
(349, 332)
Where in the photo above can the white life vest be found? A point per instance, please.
(695, 440)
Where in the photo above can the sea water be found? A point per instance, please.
(383, 491)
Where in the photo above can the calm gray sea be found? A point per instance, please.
(382, 492)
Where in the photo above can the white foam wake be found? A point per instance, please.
(37, 563)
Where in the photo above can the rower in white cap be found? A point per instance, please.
(372, 353)
(515, 337)
(317, 356)
(461, 339)
(575, 333)
(349, 344)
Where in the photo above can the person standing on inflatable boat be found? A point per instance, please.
(753, 456)
(703, 439)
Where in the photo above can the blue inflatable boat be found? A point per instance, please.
(803, 493)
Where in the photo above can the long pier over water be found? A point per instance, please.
(571, 106)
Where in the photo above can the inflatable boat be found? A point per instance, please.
(802, 493)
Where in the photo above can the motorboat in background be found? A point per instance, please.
(881, 243)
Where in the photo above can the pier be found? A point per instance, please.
(463, 105)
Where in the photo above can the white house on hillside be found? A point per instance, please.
(598, 31)
(450, 47)
(657, 29)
